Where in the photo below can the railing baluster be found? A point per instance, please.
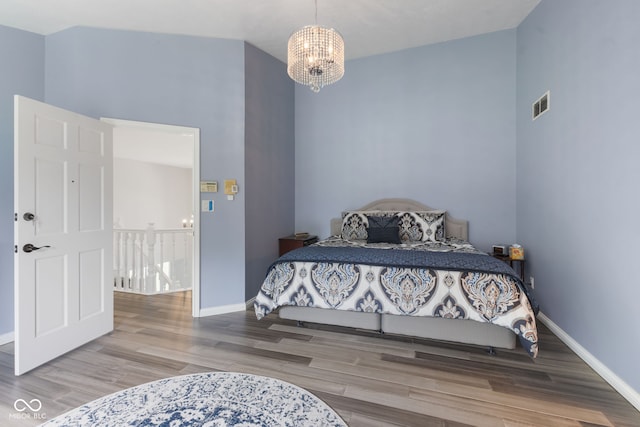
(134, 262)
(126, 262)
(151, 261)
(161, 273)
(152, 283)
(116, 257)
(140, 269)
(172, 263)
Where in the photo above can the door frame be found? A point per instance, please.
(195, 133)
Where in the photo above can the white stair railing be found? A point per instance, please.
(152, 261)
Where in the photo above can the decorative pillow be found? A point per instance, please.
(354, 225)
(383, 229)
(434, 226)
(421, 226)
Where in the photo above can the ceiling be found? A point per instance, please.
(369, 27)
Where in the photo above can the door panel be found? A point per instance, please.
(49, 183)
(91, 265)
(91, 191)
(50, 292)
(63, 176)
(90, 141)
(50, 131)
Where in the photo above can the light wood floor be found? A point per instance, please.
(368, 380)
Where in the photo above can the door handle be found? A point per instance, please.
(28, 216)
(30, 248)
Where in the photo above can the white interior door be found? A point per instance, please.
(63, 204)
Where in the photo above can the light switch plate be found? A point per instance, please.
(207, 205)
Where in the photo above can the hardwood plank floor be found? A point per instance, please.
(369, 380)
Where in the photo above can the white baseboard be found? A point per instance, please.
(601, 369)
(249, 304)
(212, 311)
(6, 338)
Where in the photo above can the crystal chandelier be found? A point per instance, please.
(315, 56)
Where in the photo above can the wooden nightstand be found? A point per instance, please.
(292, 242)
(510, 261)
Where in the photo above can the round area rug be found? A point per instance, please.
(212, 399)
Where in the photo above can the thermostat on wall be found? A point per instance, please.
(208, 186)
(230, 186)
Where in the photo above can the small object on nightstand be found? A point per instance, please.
(516, 252)
(499, 250)
(295, 241)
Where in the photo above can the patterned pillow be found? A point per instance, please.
(434, 226)
(421, 226)
(354, 225)
(383, 229)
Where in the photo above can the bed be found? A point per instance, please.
(398, 266)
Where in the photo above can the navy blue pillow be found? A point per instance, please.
(383, 229)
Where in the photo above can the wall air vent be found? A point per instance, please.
(541, 105)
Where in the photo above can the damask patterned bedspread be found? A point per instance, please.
(449, 280)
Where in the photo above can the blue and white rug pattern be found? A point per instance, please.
(213, 399)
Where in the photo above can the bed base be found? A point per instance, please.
(436, 328)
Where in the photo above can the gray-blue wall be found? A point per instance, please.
(435, 124)
(187, 81)
(178, 80)
(22, 73)
(269, 162)
(579, 170)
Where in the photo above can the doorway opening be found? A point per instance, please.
(156, 208)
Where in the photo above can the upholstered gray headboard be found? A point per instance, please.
(453, 227)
